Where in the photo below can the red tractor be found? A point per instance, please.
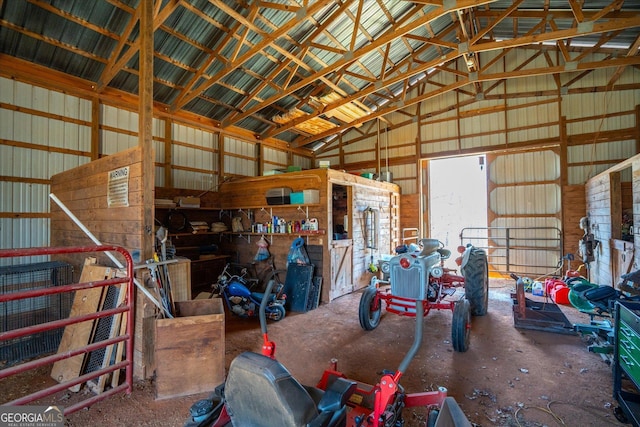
(421, 275)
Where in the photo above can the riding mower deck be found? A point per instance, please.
(412, 272)
(260, 392)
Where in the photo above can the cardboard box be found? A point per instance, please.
(189, 349)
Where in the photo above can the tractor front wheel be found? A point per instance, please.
(461, 328)
(476, 281)
(370, 309)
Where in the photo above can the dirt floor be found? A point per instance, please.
(508, 377)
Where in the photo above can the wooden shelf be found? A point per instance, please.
(298, 233)
(192, 234)
(181, 208)
(266, 207)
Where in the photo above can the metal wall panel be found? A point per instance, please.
(303, 162)
(367, 144)
(525, 167)
(439, 147)
(599, 105)
(113, 142)
(533, 199)
(333, 160)
(586, 160)
(442, 102)
(359, 157)
(538, 121)
(159, 177)
(7, 90)
(239, 165)
(158, 149)
(601, 151)
(18, 162)
(23, 233)
(440, 129)
(578, 175)
(405, 177)
(274, 155)
(404, 134)
(196, 153)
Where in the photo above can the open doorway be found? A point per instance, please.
(457, 198)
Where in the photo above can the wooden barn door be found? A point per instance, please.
(341, 267)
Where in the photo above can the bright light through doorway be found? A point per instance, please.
(457, 198)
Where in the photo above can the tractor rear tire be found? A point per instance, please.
(461, 325)
(476, 282)
(370, 309)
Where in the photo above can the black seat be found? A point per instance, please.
(260, 392)
(444, 253)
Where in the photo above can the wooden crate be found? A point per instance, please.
(189, 350)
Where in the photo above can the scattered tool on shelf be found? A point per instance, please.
(95, 240)
(159, 271)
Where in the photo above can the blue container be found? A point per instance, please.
(297, 198)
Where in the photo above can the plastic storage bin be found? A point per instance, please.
(297, 198)
(311, 196)
(279, 196)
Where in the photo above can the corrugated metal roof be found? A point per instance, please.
(231, 61)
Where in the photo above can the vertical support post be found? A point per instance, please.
(145, 122)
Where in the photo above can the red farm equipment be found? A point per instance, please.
(260, 392)
(421, 275)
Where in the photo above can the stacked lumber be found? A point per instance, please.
(79, 335)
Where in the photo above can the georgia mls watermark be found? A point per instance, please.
(31, 416)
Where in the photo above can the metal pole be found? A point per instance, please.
(95, 240)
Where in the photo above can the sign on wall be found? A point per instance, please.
(118, 188)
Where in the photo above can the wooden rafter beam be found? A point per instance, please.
(356, 26)
(72, 18)
(552, 36)
(633, 50)
(557, 14)
(530, 38)
(53, 42)
(192, 91)
(604, 38)
(389, 108)
(576, 8)
(560, 43)
(117, 61)
(393, 33)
